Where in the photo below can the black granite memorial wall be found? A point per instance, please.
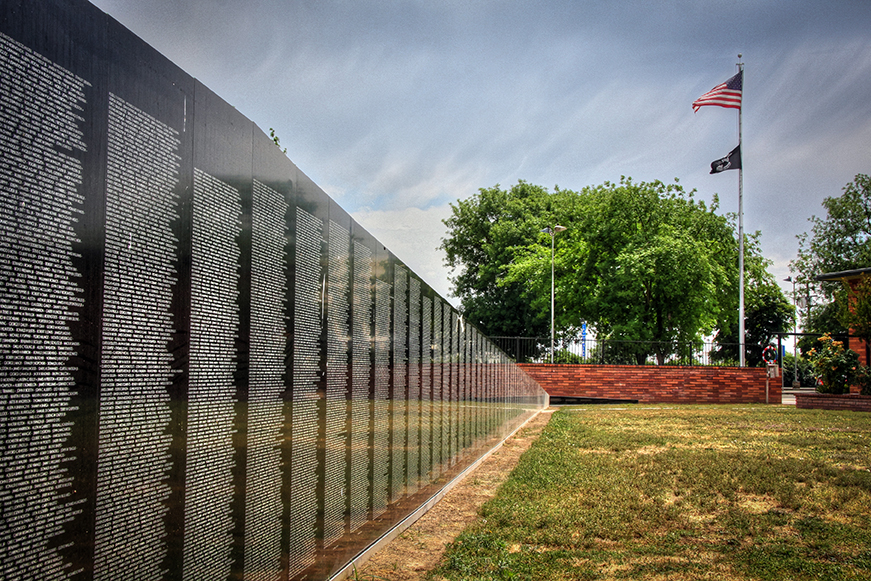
(209, 369)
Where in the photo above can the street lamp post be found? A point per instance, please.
(552, 232)
(795, 381)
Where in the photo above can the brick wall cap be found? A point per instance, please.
(834, 396)
(609, 366)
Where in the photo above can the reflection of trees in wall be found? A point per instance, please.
(198, 355)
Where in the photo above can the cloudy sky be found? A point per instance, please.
(397, 108)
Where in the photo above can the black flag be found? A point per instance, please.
(731, 161)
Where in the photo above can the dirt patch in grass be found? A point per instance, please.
(418, 550)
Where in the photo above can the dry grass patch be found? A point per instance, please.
(756, 504)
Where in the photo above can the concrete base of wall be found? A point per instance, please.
(827, 401)
(656, 384)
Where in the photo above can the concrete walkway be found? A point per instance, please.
(788, 394)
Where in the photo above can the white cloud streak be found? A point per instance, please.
(398, 108)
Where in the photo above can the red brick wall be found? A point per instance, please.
(656, 384)
(826, 401)
(858, 346)
(855, 344)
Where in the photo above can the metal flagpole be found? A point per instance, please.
(552, 231)
(552, 238)
(741, 227)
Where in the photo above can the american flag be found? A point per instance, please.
(726, 94)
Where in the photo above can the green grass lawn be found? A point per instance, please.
(680, 492)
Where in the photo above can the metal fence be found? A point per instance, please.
(618, 352)
(614, 352)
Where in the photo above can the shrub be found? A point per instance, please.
(566, 356)
(863, 379)
(804, 368)
(834, 366)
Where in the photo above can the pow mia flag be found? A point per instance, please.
(731, 161)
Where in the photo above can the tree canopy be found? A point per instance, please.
(483, 233)
(854, 309)
(638, 261)
(840, 241)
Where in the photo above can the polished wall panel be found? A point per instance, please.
(42, 286)
(360, 469)
(399, 393)
(209, 370)
(269, 308)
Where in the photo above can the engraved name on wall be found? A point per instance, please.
(207, 369)
(40, 203)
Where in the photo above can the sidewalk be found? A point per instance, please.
(413, 553)
(788, 394)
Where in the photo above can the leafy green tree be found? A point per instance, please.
(767, 311)
(483, 232)
(276, 140)
(648, 264)
(639, 262)
(802, 366)
(819, 318)
(855, 314)
(854, 307)
(840, 241)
